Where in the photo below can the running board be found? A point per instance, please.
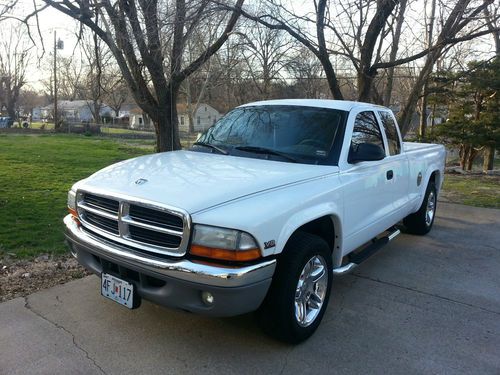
(357, 258)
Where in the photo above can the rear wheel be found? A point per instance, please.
(299, 294)
(421, 221)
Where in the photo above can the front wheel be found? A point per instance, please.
(421, 221)
(299, 293)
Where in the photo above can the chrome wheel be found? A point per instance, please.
(311, 290)
(431, 208)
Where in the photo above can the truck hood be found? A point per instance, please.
(195, 181)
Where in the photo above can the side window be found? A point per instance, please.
(366, 130)
(391, 132)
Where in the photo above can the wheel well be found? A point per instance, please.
(434, 178)
(322, 227)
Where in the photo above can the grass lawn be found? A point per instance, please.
(35, 175)
(479, 191)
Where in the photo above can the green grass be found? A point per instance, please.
(44, 125)
(35, 175)
(110, 130)
(479, 191)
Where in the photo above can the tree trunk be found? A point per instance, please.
(331, 77)
(404, 117)
(462, 153)
(488, 158)
(423, 114)
(393, 54)
(165, 123)
(471, 157)
(11, 111)
(365, 84)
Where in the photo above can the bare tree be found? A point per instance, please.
(6, 7)
(97, 62)
(429, 29)
(116, 90)
(396, 36)
(148, 40)
(14, 60)
(307, 73)
(460, 17)
(266, 55)
(361, 39)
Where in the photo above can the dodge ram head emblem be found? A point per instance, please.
(141, 181)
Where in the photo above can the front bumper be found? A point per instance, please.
(174, 283)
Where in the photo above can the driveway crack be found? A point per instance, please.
(426, 293)
(30, 308)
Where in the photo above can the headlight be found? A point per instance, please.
(72, 202)
(223, 244)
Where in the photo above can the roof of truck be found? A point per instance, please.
(343, 105)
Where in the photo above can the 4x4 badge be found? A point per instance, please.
(141, 181)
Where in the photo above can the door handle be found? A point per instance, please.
(390, 175)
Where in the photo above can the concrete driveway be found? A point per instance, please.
(422, 305)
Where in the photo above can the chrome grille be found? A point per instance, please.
(155, 217)
(141, 225)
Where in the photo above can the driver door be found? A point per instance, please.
(367, 201)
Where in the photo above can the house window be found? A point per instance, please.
(182, 120)
(205, 108)
(209, 117)
(140, 120)
(199, 120)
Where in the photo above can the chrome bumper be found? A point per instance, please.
(182, 269)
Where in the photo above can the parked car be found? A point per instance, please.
(6, 122)
(260, 214)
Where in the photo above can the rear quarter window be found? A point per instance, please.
(391, 132)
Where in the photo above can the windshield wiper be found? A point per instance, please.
(264, 150)
(213, 147)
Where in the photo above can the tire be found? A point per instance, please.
(299, 293)
(421, 221)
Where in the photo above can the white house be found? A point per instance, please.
(204, 117)
(138, 119)
(72, 111)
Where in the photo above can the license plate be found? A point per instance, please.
(117, 290)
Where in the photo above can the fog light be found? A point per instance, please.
(207, 298)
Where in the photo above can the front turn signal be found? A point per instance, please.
(225, 254)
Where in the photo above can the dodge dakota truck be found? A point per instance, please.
(260, 214)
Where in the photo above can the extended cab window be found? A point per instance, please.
(391, 132)
(366, 130)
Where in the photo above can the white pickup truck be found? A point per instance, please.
(271, 203)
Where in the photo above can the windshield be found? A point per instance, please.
(286, 133)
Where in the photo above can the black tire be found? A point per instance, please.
(277, 315)
(421, 222)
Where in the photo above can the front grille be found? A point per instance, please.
(153, 237)
(144, 227)
(103, 223)
(101, 203)
(155, 217)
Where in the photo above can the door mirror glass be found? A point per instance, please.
(365, 152)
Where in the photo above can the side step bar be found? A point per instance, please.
(357, 258)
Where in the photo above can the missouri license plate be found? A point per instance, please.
(117, 290)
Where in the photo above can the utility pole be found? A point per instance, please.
(55, 81)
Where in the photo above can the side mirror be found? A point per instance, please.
(365, 152)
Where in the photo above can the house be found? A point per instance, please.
(138, 119)
(204, 116)
(72, 111)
